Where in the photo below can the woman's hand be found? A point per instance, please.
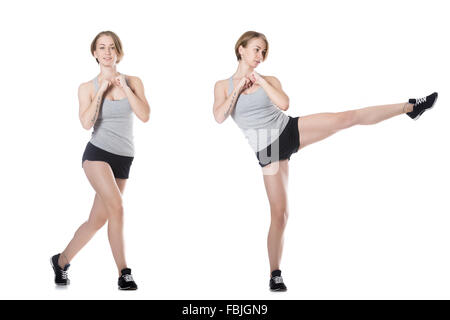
(104, 85)
(120, 81)
(255, 77)
(244, 84)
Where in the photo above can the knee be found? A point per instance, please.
(115, 209)
(279, 216)
(348, 119)
(97, 223)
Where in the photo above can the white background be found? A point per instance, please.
(369, 212)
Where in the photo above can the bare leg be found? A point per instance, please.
(316, 127)
(115, 234)
(276, 188)
(87, 230)
(107, 188)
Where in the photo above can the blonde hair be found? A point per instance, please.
(245, 38)
(117, 44)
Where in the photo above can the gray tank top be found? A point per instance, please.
(113, 130)
(260, 120)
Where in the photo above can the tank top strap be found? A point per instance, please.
(230, 85)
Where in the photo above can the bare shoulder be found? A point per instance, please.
(86, 88)
(134, 81)
(221, 85)
(272, 80)
(86, 85)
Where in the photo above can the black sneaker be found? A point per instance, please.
(421, 105)
(126, 281)
(61, 276)
(276, 282)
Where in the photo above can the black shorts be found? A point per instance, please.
(287, 143)
(120, 165)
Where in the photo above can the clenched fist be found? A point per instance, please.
(120, 81)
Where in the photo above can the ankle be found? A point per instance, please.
(62, 260)
(275, 272)
(123, 269)
(408, 107)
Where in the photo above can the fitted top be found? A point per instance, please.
(258, 118)
(113, 130)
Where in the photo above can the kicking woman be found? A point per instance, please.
(256, 102)
(107, 104)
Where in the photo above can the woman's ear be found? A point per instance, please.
(241, 50)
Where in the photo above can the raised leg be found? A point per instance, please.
(316, 127)
(276, 188)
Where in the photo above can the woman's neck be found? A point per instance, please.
(108, 73)
(242, 70)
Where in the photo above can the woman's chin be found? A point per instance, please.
(108, 64)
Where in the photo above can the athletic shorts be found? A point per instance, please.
(287, 143)
(120, 165)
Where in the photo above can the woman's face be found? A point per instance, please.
(254, 53)
(105, 51)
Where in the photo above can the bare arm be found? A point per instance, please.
(136, 97)
(89, 109)
(272, 87)
(223, 105)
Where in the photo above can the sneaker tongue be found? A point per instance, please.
(276, 273)
(126, 271)
(66, 267)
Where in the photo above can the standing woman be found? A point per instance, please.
(107, 104)
(256, 102)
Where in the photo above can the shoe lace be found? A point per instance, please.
(277, 279)
(64, 274)
(127, 277)
(421, 100)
